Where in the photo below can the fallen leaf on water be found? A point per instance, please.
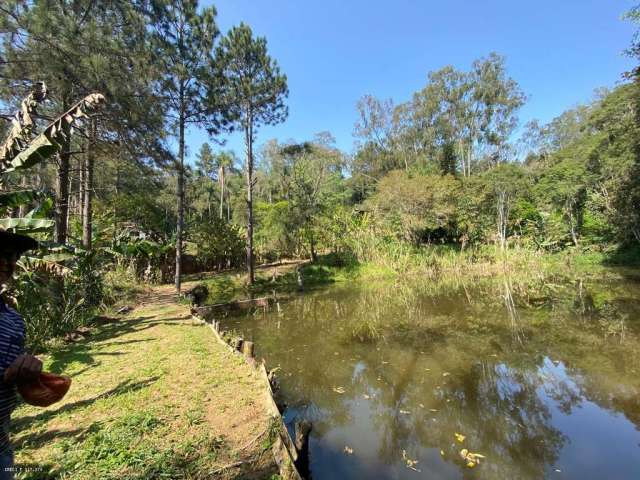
(348, 450)
(459, 437)
(409, 463)
(472, 459)
(338, 389)
(421, 405)
(442, 452)
(446, 374)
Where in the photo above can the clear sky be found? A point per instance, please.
(335, 51)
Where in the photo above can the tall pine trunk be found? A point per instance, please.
(87, 187)
(248, 133)
(62, 197)
(180, 192)
(221, 179)
(61, 212)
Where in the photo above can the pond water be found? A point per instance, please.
(541, 378)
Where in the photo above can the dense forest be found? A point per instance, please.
(449, 174)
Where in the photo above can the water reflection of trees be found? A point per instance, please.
(395, 345)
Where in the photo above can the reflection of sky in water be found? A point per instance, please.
(533, 417)
(593, 432)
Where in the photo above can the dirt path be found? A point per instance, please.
(152, 395)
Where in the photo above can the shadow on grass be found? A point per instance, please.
(623, 256)
(312, 275)
(86, 350)
(122, 388)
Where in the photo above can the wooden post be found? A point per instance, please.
(302, 430)
(299, 277)
(248, 349)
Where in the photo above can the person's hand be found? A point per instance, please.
(25, 368)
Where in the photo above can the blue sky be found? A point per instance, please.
(335, 51)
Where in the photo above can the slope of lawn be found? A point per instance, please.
(153, 396)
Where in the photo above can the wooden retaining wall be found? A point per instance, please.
(284, 450)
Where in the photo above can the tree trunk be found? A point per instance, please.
(87, 187)
(62, 198)
(61, 212)
(180, 192)
(82, 167)
(248, 133)
(572, 224)
(503, 217)
(116, 191)
(312, 246)
(221, 180)
(24, 208)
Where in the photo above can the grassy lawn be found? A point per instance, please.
(153, 396)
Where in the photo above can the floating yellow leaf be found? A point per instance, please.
(442, 452)
(472, 459)
(338, 389)
(460, 437)
(410, 463)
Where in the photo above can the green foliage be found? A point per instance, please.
(55, 300)
(255, 88)
(275, 233)
(219, 244)
(419, 208)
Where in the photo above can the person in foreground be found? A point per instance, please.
(16, 367)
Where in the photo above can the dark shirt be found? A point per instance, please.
(12, 334)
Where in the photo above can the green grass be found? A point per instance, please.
(153, 396)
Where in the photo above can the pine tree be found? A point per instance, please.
(255, 94)
(184, 39)
(79, 47)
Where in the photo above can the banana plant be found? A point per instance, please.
(35, 220)
(18, 154)
(20, 151)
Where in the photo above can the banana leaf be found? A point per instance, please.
(48, 142)
(26, 225)
(39, 149)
